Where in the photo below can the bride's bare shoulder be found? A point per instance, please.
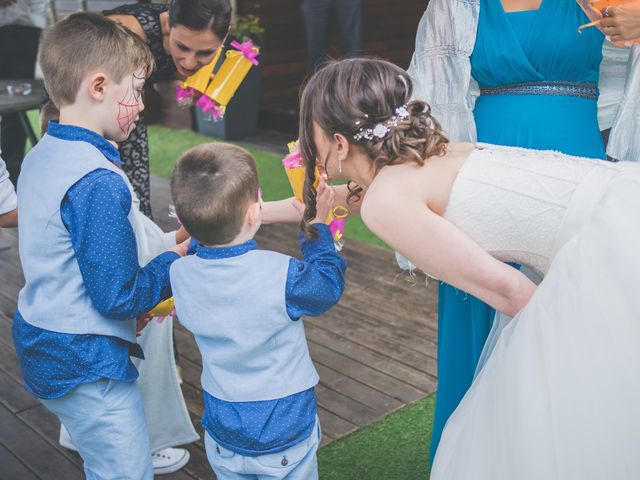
(379, 195)
(411, 179)
(460, 148)
(428, 184)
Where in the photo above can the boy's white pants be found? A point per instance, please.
(106, 423)
(298, 462)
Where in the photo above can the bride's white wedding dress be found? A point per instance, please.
(559, 394)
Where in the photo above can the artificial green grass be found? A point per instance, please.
(166, 145)
(393, 448)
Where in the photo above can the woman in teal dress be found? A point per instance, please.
(538, 78)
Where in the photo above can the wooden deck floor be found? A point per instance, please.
(375, 352)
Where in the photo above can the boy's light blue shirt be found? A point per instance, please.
(53, 363)
(260, 427)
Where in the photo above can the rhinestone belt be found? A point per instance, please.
(566, 89)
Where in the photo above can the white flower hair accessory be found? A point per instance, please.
(383, 128)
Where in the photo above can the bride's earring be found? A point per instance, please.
(340, 164)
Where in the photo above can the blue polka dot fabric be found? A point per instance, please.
(95, 212)
(313, 285)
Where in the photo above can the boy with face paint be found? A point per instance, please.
(75, 327)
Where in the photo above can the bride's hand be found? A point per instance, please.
(288, 210)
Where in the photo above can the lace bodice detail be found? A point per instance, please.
(512, 201)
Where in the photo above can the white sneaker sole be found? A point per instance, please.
(65, 442)
(174, 467)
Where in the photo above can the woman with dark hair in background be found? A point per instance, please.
(183, 37)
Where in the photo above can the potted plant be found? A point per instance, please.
(241, 116)
(247, 27)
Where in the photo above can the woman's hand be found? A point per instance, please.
(325, 199)
(622, 23)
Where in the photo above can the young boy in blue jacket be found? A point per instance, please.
(244, 307)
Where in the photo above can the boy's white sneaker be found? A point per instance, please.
(169, 460)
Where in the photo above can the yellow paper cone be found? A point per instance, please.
(296, 178)
(199, 80)
(163, 308)
(229, 77)
(330, 217)
(296, 171)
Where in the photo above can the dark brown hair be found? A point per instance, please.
(84, 42)
(214, 15)
(212, 187)
(359, 93)
(48, 112)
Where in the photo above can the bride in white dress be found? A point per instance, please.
(559, 395)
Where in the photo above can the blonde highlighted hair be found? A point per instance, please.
(87, 42)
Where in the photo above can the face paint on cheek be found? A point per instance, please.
(128, 109)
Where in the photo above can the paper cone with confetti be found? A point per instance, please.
(297, 173)
(232, 72)
(196, 83)
(335, 220)
(200, 80)
(595, 11)
(215, 91)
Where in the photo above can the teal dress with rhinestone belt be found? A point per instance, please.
(538, 78)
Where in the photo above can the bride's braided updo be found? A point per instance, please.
(367, 101)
